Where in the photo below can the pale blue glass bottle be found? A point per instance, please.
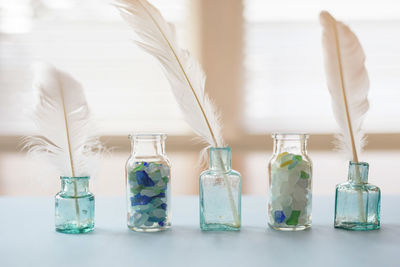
(357, 203)
(220, 193)
(74, 206)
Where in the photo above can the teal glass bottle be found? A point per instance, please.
(148, 184)
(220, 193)
(74, 206)
(357, 203)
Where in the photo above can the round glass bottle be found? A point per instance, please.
(74, 206)
(148, 184)
(290, 183)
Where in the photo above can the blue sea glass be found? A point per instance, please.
(148, 184)
(220, 193)
(74, 206)
(357, 203)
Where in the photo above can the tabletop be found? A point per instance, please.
(28, 238)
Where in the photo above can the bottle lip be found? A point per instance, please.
(74, 178)
(221, 148)
(147, 136)
(360, 163)
(290, 136)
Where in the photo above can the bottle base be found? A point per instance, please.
(218, 227)
(290, 228)
(148, 230)
(74, 230)
(357, 226)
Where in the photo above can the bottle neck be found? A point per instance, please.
(358, 172)
(221, 159)
(148, 145)
(292, 143)
(75, 186)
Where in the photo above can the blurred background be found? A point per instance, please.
(263, 61)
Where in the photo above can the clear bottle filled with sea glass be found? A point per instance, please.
(220, 193)
(74, 206)
(357, 203)
(290, 183)
(148, 184)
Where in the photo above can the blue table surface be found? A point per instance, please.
(28, 238)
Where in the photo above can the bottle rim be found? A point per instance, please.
(147, 136)
(290, 136)
(74, 178)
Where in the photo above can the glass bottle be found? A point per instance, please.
(357, 203)
(220, 193)
(290, 183)
(74, 206)
(148, 184)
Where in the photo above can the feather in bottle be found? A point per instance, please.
(185, 75)
(67, 138)
(348, 84)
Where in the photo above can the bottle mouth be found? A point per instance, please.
(290, 136)
(75, 178)
(360, 163)
(147, 136)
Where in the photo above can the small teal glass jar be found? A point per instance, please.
(148, 184)
(220, 193)
(74, 206)
(357, 203)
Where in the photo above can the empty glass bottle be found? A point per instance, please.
(290, 183)
(220, 193)
(357, 203)
(74, 206)
(148, 184)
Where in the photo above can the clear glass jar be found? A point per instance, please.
(290, 183)
(148, 184)
(357, 203)
(74, 206)
(220, 193)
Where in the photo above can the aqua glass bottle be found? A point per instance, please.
(74, 206)
(290, 183)
(357, 203)
(220, 193)
(148, 184)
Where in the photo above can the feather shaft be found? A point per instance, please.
(348, 85)
(346, 105)
(183, 71)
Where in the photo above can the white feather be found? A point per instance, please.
(184, 73)
(66, 134)
(347, 81)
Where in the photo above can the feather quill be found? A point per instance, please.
(67, 137)
(347, 81)
(348, 85)
(185, 75)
